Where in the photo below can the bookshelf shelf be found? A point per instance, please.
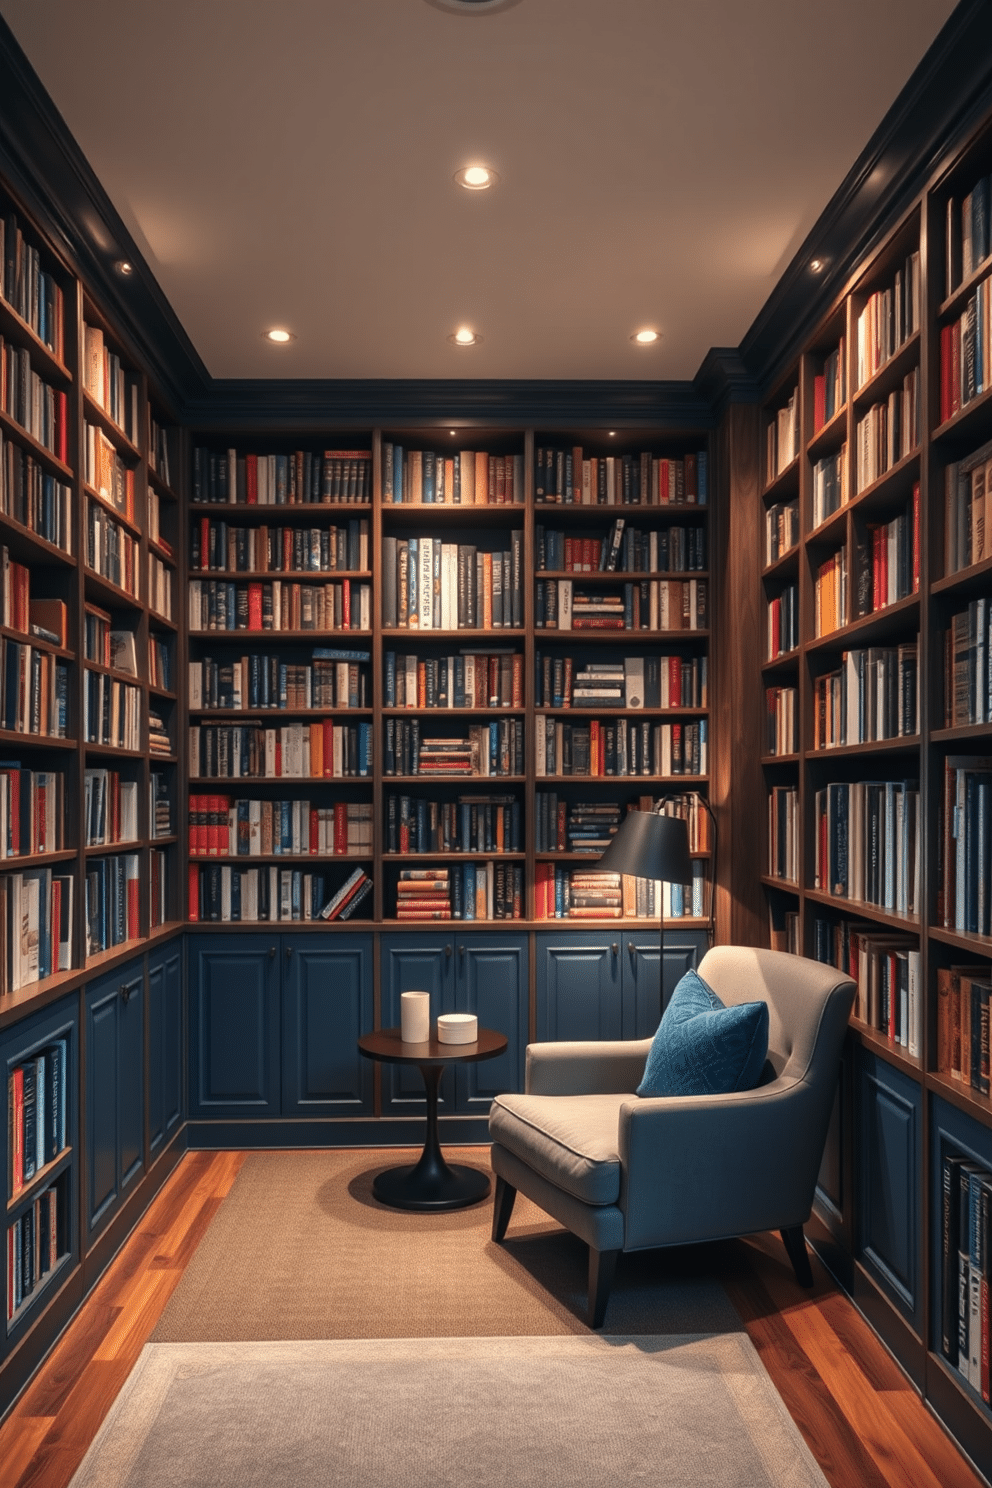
(890, 375)
(95, 413)
(34, 447)
(41, 1180)
(46, 362)
(830, 435)
(785, 485)
(31, 546)
(872, 747)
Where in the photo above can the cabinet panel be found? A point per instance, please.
(414, 963)
(644, 998)
(579, 982)
(132, 1066)
(326, 1005)
(492, 982)
(114, 1089)
(889, 1157)
(234, 1025)
(165, 1069)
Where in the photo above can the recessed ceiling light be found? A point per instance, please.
(476, 177)
(472, 7)
(278, 336)
(123, 267)
(817, 265)
(464, 336)
(613, 433)
(645, 337)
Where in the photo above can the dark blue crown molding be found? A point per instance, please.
(942, 102)
(945, 97)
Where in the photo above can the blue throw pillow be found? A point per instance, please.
(704, 1048)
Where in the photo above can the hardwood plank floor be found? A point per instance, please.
(862, 1420)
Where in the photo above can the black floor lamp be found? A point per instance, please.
(651, 846)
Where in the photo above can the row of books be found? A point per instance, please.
(867, 835)
(29, 289)
(110, 808)
(106, 473)
(224, 893)
(35, 1245)
(329, 678)
(107, 646)
(44, 618)
(649, 604)
(215, 604)
(159, 457)
(112, 711)
(41, 410)
(579, 826)
(32, 810)
(782, 438)
(888, 432)
(624, 549)
(886, 967)
(487, 749)
(155, 531)
(830, 386)
(965, 1267)
(111, 552)
(654, 680)
(159, 587)
(783, 926)
(583, 894)
(625, 747)
(493, 890)
(113, 910)
(968, 666)
(109, 384)
(830, 594)
(830, 487)
(888, 320)
(32, 496)
(467, 824)
(428, 584)
(873, 695)
(34, 690)
(781, 530)
(965, 354)
(783, 833)
(471, 679)
(160, 663)
(220, 827)
(781, 720)
(566, 477)
(36, 912)
(964, 847)
(463, 478)
(967, 536)
(966, 241)
(888, 559)
(782, 623)
(296, 751)
(963, 994)
(36, 1114)
(305, 478)
(219, 545)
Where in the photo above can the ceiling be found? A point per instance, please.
(291, 162)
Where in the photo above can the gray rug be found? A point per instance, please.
(603, 1412)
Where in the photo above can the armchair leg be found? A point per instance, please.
(502, 1208)
(602, 1269)
(795, 1244)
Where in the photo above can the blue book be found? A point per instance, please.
(387, 471)
(412, 607)
(469, 906)
(457, 891)
(428, 476)
(397, 474)
(702, 478)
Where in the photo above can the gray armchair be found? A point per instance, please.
(626, 1173)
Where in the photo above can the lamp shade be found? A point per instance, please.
(650, 846)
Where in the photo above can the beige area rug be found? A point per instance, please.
(443, 1413)
(301, 1250)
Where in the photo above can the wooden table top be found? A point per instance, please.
(387, 1045)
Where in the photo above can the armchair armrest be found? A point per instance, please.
(596, 1067)
(703, 1167)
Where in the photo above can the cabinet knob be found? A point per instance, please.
(289, 952)
(461, 950)
(616, 949)
(631, 947)
(272, 951)
(125, 992)
(447, 950)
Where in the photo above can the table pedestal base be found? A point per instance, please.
(431, 1183)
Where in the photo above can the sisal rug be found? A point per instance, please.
(300, 1249)
(691, 1412)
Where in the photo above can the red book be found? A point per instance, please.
(819, 402)
(346, 604)
(314, 830)
(62, 427)
(916, 536)
(254, 606)
(955, 368)
(17, 1131)
(776, 609)
(340, 827)
(328, 746)
(287, 549)
(878, 586)
(204, 542)
(193, 892)
(133, 908)
(251, 480)
(946, 355)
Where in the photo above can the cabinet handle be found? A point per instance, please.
(125, 992)
(447, 951)
(289, 952)
(461, 950)
(272, 951)
(631, 947)
(616, 949)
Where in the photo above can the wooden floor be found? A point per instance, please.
(862, 1420)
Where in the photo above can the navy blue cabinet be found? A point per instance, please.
(326, 1005)
(274, 1025)
(605, 985)
(165, 1040)
(115, 1090)
(469, 971)
(888, 1160)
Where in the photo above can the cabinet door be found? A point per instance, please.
(644, 996)
(491, 981)
(414, 963)
(115, 1085)
(889, 1158)
(326, 1005)
(165, 1038)
(579, 985)
(234, 1025)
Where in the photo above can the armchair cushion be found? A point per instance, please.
(570, 1140)
(703, 1047)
